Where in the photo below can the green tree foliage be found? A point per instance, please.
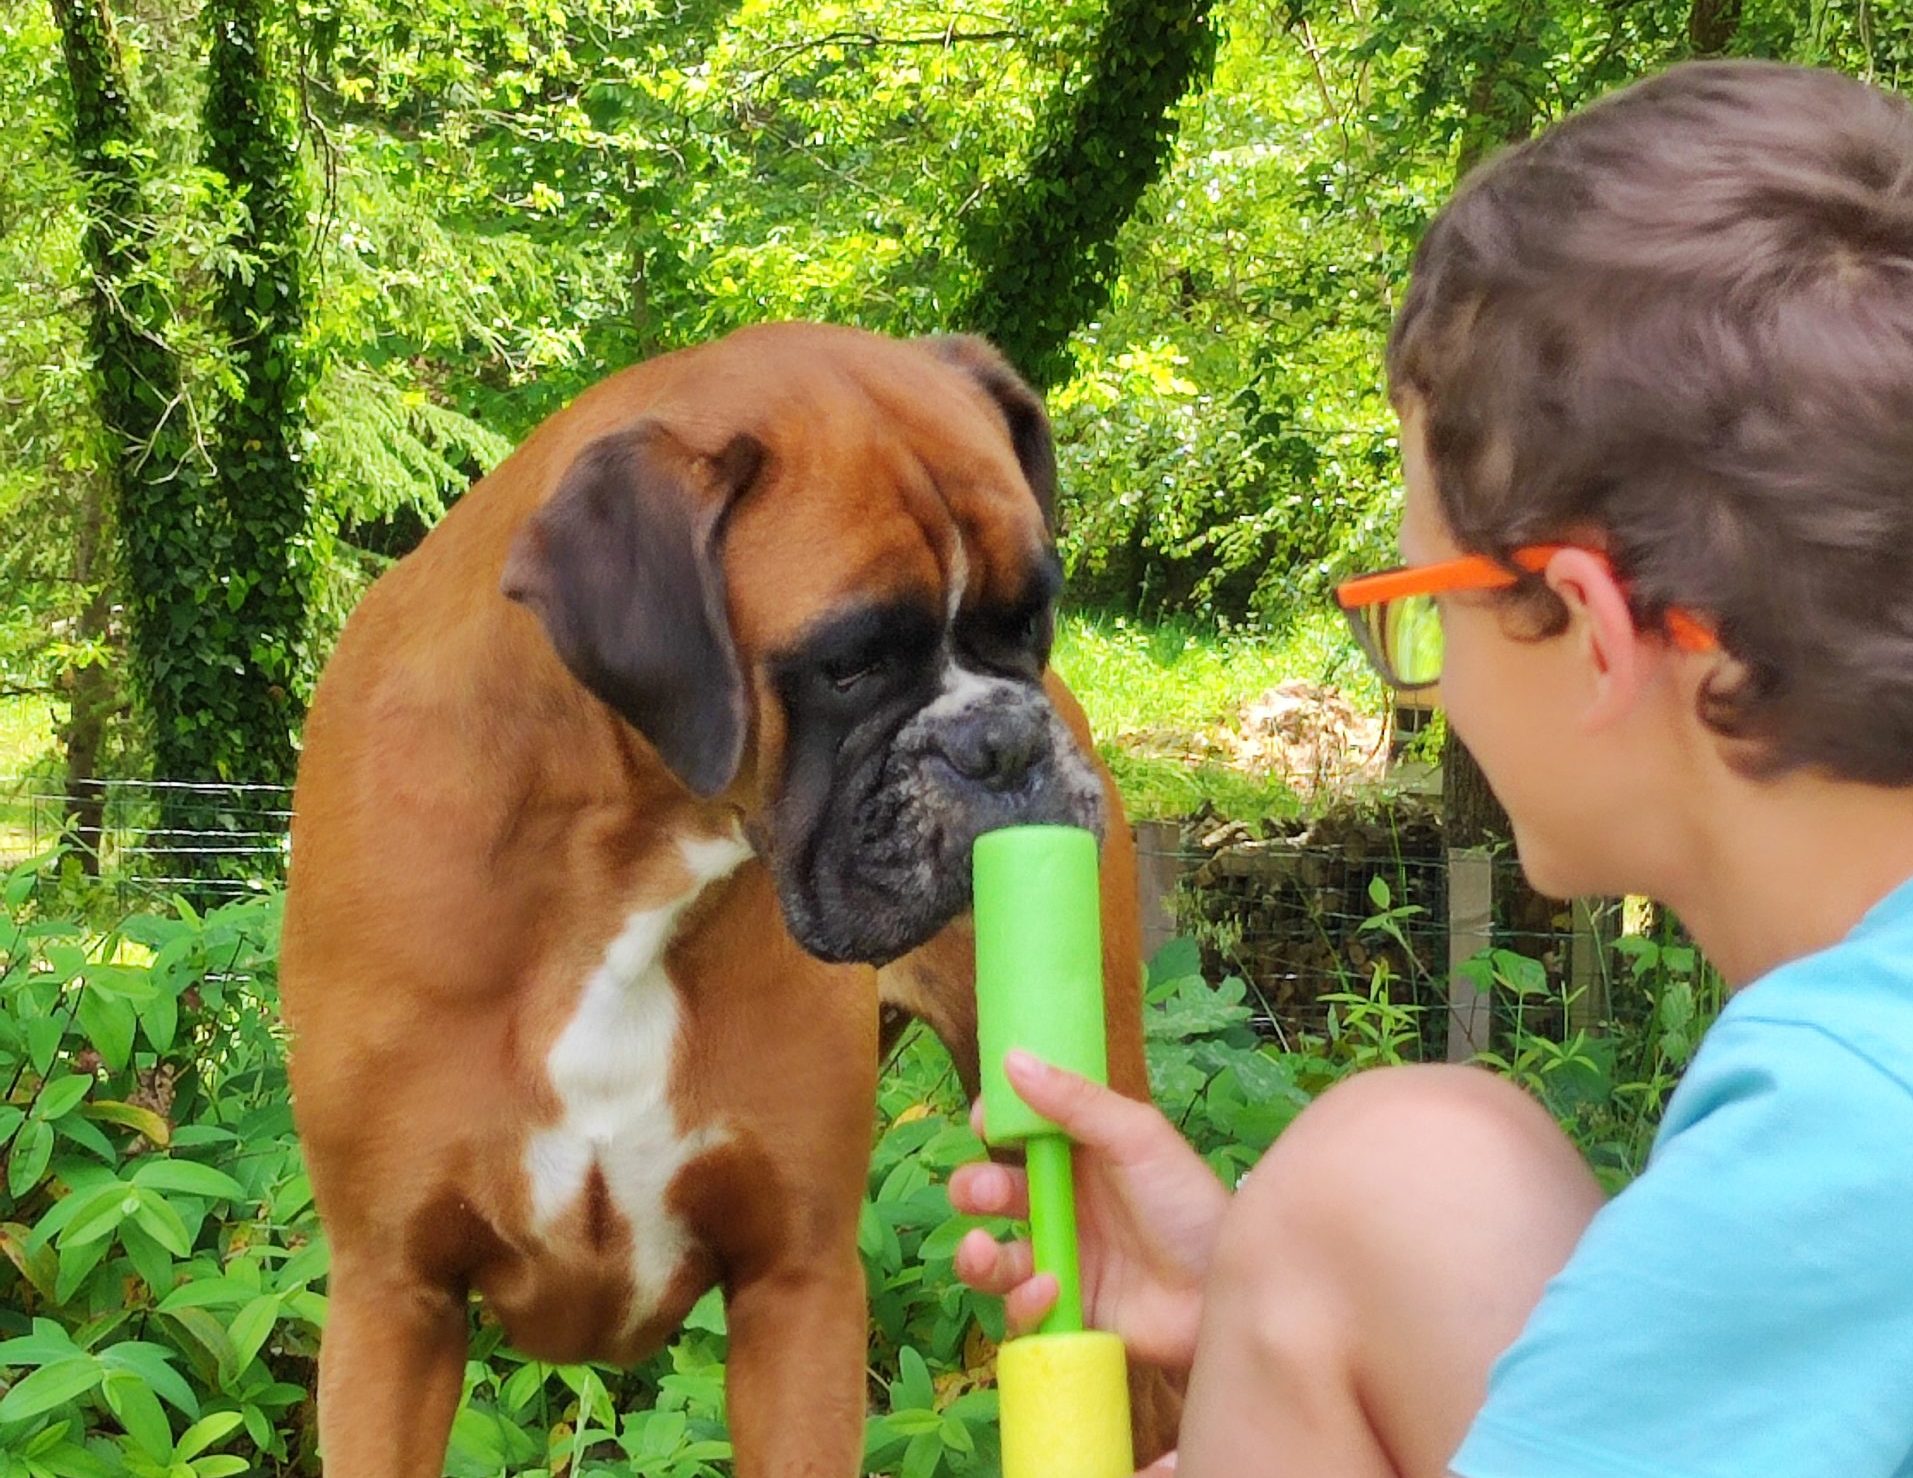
(510, 199)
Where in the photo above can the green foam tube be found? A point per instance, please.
(1039, 964)
(1039, 983)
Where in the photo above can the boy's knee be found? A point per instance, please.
(1376, 1124)
(1398, 1150)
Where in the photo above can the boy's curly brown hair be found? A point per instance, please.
(1681, 323)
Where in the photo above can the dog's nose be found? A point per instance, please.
(996, 746)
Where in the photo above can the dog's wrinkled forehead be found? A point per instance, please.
(981, 619)
(907, 564)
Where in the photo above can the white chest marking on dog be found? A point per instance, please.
(611, 1068)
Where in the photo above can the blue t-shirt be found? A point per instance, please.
(1745, 1308)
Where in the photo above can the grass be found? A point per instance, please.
(26, 734)
(26, 747)
(1149, 687)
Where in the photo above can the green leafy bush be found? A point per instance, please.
(162, 1287)
(158, 1310)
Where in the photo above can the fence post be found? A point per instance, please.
(1471, 892)
(1587, 965)
(1158, 874)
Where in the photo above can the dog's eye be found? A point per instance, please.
(845, 673)
(1033, 632)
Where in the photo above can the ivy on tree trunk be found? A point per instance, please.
(217, 548)
(1712, 26)
(1044, 245)
(157, 474)
(261, 486)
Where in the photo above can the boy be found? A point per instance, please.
(1655, 375)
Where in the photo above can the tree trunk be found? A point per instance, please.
(1712, 26)
(155, 476)
(1044, 244)
(89, 688)
(261, 481)
(1498, 114)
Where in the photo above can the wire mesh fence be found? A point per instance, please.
(1316, 915)
(1308, 913)
(152, 837)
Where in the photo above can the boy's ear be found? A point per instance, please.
(1603, 627)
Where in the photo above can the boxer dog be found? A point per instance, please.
(625, 800)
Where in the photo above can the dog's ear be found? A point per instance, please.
(621, 565)
(1022, 409)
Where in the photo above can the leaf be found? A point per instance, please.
(139, 1412)
(189, 1178)
(43, 1041)
(152, 1364)
(251, 1328)
(50, 1386)
(258, 1427)
(39, 1265)
(60, 1097)
(913, 1386)
(159, 1019)
(224, 1465)
(47, 1345)
(77, 1130)
(477, 1443)
(79, 1202)
(942, 1243)
(151, 1261)
(27, 1160)
(209, 1335)
(102, 1217)
(109, 1023)
(518, 1388)
(203, 1433)
(76, 1266)
(132, 1116)
(1179, 959)
(162, 1222)
(204, 1293)
(956, 1435)
(707, 1314)
(658, 1433)
(921, 1457)
(20, 882)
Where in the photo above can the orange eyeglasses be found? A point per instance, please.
(1398, 626)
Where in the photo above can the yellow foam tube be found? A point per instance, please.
(1063, 1406)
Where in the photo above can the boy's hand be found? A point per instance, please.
(1147, 1212)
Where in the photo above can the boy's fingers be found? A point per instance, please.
(1162, 1467)
(990, 1190)
(1025, 1305)
(992, 1267)
(1091, 1114)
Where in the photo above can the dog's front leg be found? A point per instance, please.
(796, 1372)
(391, 1367)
